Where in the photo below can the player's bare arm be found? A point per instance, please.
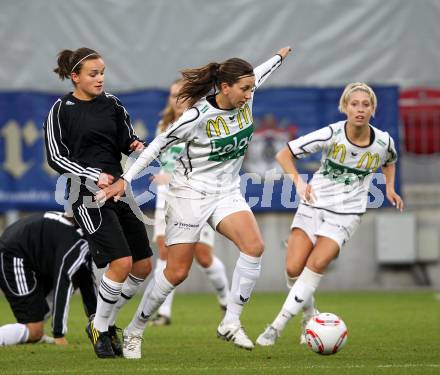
(389, 172)
(285, 159)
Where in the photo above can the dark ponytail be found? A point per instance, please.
(71, 61)
(198, 82)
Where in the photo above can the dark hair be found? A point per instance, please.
(72, 61)
(199, 81)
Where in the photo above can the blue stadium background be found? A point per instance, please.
(33, 188)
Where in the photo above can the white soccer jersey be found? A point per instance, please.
(341, 183)
(215, 143)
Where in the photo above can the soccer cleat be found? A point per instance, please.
(268, 337)
(115, 340)
(160, 320)
(132, 348)
(234, 332)
(101, 342)
(304, 321)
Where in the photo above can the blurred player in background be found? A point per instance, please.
(210, 264)
(43, 257)
(335, 199)
(205, 188)
(85, 132)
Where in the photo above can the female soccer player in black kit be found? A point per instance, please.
(85, 132)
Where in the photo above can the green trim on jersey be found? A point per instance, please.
(382, 143)
(341, 173)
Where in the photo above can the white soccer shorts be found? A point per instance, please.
(318, 222)
(207, 234)
(186, 217)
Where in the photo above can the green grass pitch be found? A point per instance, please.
(389, 333)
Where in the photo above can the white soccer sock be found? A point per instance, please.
(155, 293)
(160, 266)
(108, 294)
(165, 308)
(129, 289)
(12, 334)
(217, 275)
(309, 307)
(302, 290)
(290, 281)
(246, 272)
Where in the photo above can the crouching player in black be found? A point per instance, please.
(43, 255)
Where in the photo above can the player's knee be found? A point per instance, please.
(148, 267)
(205, 260)
(125, 264)
(142, 268)
(293, 270)
(255, 248)
(36, 332)
(317, 265)
(178, 276)
(120, 268)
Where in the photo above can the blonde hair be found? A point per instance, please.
(168, 114)
(350, 89)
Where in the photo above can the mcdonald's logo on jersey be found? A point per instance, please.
(339, 148)
(372, 161)
(245, 114)
(215, 124)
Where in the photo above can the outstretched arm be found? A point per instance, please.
(283, 52)
(263, 71)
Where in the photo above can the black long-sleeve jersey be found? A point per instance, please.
(53, 248)
(86, 138)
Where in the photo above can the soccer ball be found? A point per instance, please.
(326, 333)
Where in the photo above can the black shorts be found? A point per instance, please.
(25, 294)
(113, 231)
